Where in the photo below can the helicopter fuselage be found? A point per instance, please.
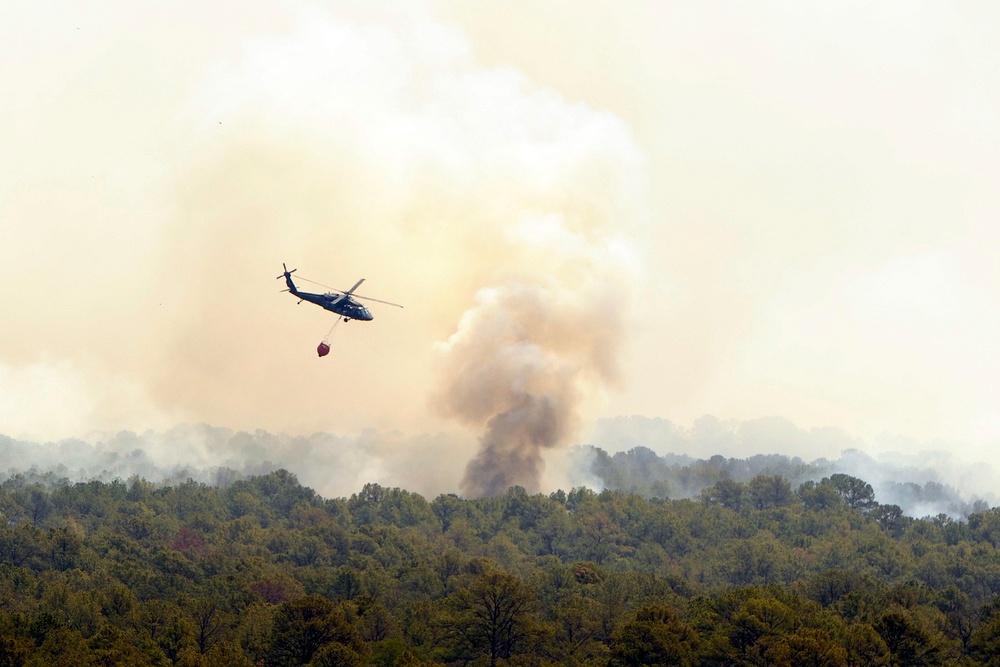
(342, 304)
(336, 303)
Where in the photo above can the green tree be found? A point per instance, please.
(727, 493)
(23, 544)
(985, 643)
(813, 647)
(831, 585)
(14, 651)
(63, 647)
(209, 620)
(280, 491)
(770, 491)
(493, 617)
(227, 654)
(306, 626)
(819, 497)
(910, 641)
(857, 493)
(448, 507)
(657, 636)
(760, 618)
(577, 622)
(112, 646)
(602, 535)
(865, 647)
(168, 626)
(891, 518)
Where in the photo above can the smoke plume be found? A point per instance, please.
(527, 355)
(517, 366)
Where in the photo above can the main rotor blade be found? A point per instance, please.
(369, 298)
(351, 291)
(320, 284)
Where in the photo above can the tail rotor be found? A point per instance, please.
(287, 275)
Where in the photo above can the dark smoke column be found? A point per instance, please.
(510, 450)
(519, 365)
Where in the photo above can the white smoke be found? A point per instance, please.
(332, 465)
(64, 399)
(356, 142)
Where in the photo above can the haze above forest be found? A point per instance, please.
(651, 457)
(610, 208)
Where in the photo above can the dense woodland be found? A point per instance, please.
(263, 571)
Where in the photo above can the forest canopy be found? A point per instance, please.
(757, 568)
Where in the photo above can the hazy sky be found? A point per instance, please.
(740, 209)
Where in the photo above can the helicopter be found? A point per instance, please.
(343, 303)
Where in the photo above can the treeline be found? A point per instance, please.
(263, 571)
(640, 470)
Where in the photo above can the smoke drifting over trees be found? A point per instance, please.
(657, 458)
(454, 158)
(509, 209)
(337, 466)
(331, 464)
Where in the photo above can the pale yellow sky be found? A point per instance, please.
(794, 206)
